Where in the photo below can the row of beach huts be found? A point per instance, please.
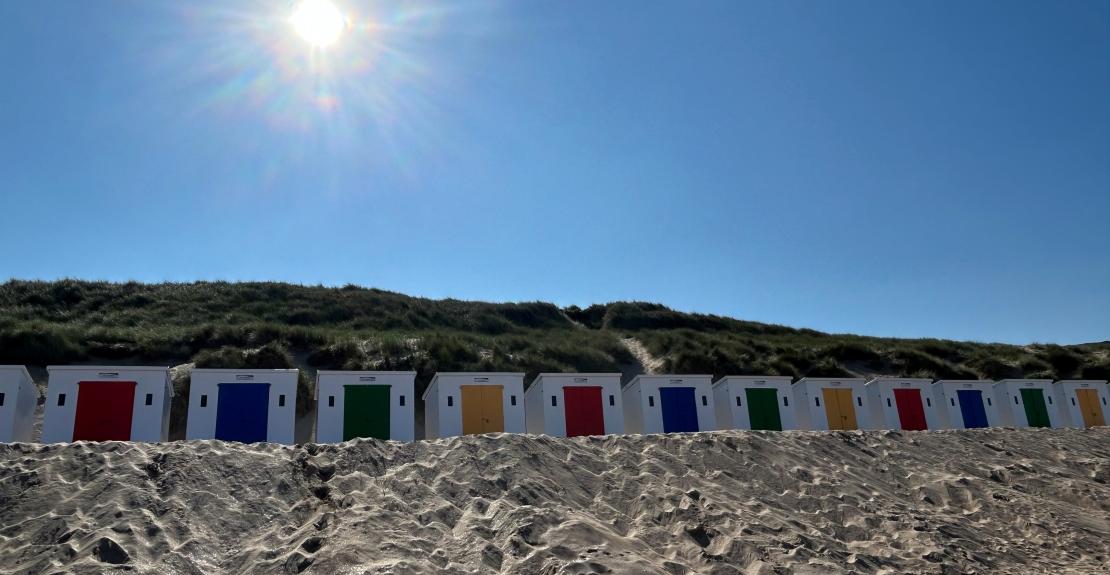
(129, 403)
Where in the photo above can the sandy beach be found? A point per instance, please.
(990, 501)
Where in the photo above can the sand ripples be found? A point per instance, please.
(987, 501)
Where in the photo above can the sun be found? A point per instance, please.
(319, 22)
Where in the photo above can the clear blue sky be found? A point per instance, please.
(887, 168)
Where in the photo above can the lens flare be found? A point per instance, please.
(319, 22)
(377, 97)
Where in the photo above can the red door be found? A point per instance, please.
(582, 405)
(910, 411)
(104, 410)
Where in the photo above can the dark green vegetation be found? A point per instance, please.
(282, 325)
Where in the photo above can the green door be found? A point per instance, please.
(365, 411)
(763, 408)
(1035, 410)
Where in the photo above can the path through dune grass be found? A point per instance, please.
(990, 501)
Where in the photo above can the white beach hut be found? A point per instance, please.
(1083, 402)
(966, 403)
(18, 398)
(472, 403)
(758, 402)
(834, 403)
(669, 404)
(245, 405)
(107, 403)
(574, 404)
(1026, 403)
(902, 403)
(352, 404)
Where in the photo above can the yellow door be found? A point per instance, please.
(471, 409)
(493, 409)
(847, 409)
(1088, 404)
(832, 407)
(839, 410)
(482, 410)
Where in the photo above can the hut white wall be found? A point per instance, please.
(642, 417)
(633, 407)
(883, 405)
(148, 422)
(1070, 415)
(329, 418)
(533, 409)
(431, 411)
(728, 388)
(812, 416)
(17, 414)
(448, 419)
(945, 393)
(280, 421)
(544, 418)
(722, 411)
(1011, 408)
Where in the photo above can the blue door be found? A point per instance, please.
(242, 411)
(971, 406)
(680, 409)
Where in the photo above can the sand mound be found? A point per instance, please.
(993, 501)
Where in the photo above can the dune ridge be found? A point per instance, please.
(976, 501)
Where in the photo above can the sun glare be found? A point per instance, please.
(319, 22)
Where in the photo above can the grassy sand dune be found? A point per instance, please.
(280, 325)
(987, 501)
